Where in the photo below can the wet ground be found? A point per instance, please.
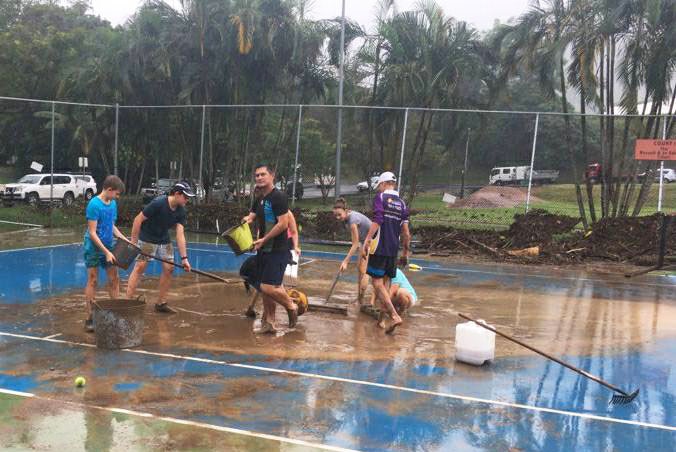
(338, 380)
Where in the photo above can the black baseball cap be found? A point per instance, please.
(184, 188)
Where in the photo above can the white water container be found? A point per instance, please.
(473, 343)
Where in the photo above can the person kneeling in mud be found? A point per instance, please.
(402, 294)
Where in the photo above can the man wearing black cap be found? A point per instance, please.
(150, 232)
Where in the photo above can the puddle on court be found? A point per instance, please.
(45, 425)
(211, 319)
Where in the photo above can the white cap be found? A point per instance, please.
(387, 176)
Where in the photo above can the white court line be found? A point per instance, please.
(366, 383)
(40, 247)
(219, 428)
(20, 231)
(53, 336)
(307, 262)
(22, 224)
(488, 272)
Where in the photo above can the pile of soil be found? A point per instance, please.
(492, 196)
(632, 240)
(627, 239)
(538, 227)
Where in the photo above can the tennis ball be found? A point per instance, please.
(80, 382)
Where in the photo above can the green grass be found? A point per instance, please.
(22, 213)
(6, 175)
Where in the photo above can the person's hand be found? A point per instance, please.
(110, 258)
(343, 266)
(186, 265)
(403, 261)
(258, 244)
(365, 249)
(297, 250)
(245, 219)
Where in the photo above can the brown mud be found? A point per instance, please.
(211, 318)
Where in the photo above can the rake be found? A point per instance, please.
(619, 398)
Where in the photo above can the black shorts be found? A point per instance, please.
(271, 267)
(381, 266)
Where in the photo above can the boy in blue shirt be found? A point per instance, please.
(101, 215)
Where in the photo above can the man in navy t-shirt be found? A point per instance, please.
(390, 221)
(270, 212)
(150, 232)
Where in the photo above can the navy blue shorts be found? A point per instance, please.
(271, 267)
(381, 266)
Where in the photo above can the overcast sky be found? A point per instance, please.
(481, 13)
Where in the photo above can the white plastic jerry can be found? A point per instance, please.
(291, 272)
(473, 343)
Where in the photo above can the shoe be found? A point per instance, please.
(164, 308)
(293, 317)
(251, 312)
(89, 325)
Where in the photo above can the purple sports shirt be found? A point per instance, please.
(390, 213)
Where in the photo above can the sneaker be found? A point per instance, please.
(89, 325)
(164, 308)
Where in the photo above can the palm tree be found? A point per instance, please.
(540, 40)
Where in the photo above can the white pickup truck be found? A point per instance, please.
(34, 188)
(517, 175)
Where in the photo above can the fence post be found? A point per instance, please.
(117, 121)
(532, 160)
(204, 115)
(464, 166)
(403, 146)
(295, 165)
(51, 166)
(661, 191)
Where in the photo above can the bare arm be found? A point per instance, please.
(293, 227)
(354, 235)
(367, 241)
(406, 239)
(118, 234)
(136, 227)
(182, 249)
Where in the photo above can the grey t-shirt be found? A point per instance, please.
(362, 221)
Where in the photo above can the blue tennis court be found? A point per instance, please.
(203, 379)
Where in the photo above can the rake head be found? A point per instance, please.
(624, 398)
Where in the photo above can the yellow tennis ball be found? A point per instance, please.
(80, 382)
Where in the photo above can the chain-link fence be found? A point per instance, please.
(471, 169)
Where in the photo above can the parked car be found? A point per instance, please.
(668, 174)
(34, 188)
(87, 184)
(368, 185)
(516, 175)
(162, 187)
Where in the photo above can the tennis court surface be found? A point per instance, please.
(203, 380)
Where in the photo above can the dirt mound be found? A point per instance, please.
(492, 196)
(627, 239)
(537, 227)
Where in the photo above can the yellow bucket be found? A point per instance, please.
(239, 238)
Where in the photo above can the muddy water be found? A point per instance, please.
(210, 318)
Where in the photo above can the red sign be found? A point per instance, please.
(655, 150)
